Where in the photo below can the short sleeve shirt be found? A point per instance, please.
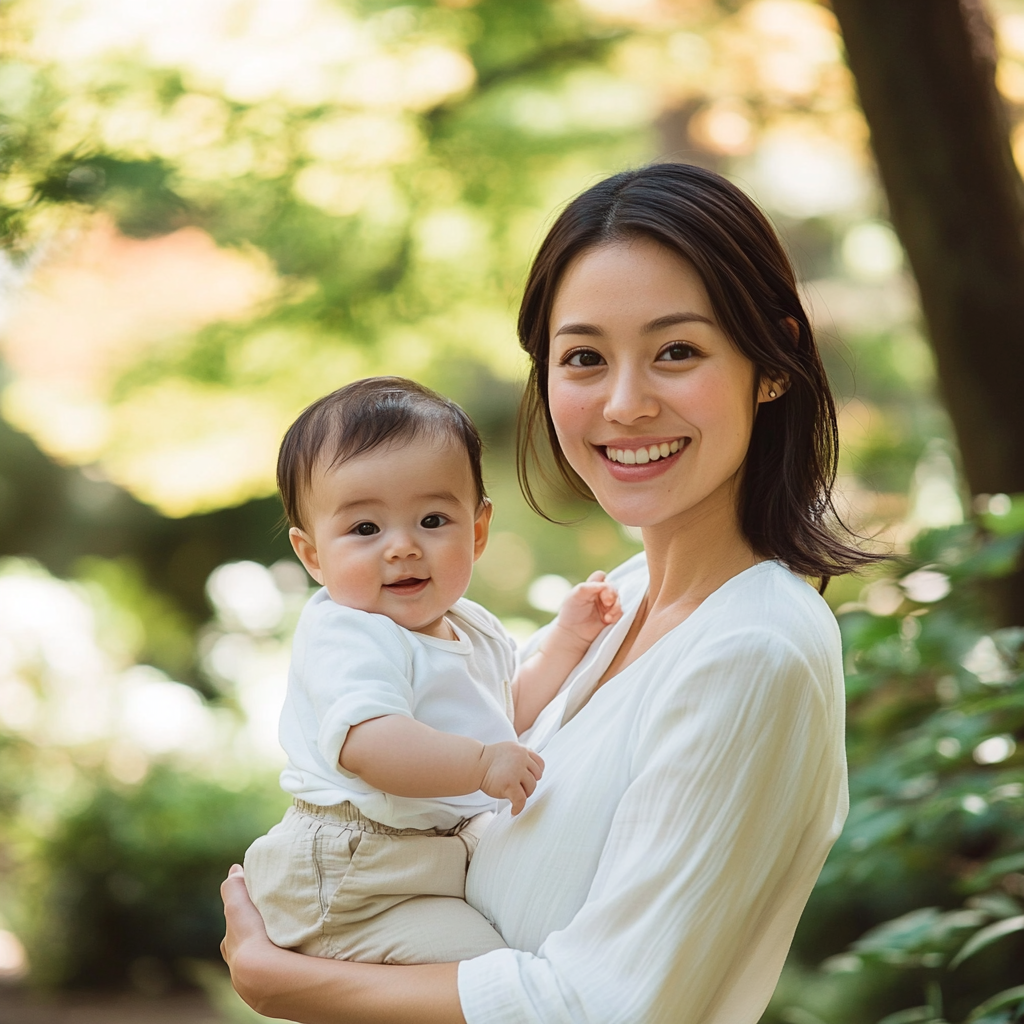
(349, 666)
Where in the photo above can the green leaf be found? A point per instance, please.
(901, 933)
(994, 870)
(913, 1015)
(986, 937)
(999, 1000)
(996, 558)
(996, 904)
(922, 936)
(798, 1015)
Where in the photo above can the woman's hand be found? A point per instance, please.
(280, 983)
(246, 949)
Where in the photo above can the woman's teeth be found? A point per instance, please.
(640, 456)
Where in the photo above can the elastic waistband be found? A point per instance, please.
(348, 814)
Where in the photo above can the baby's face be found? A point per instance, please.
(396, 532)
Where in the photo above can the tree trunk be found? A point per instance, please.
(925, 71)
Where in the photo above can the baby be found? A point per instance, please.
(404, 700)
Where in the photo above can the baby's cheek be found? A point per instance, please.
(354, 584)
(454, 568)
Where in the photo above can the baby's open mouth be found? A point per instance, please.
(407, 584)
(646, 453)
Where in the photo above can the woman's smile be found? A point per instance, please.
(642, 459)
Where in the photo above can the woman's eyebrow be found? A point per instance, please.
(673, 319)
(588, 329)
(669, 320)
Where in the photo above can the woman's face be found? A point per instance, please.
(652, 403)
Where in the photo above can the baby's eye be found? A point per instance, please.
(676, 352)
(366, 529)
(432, 522)
(582, 357)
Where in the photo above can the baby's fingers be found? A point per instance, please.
(597, 576)
(609, 605)
(536, 765)
(518, 801)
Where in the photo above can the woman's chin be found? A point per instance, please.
(653, 512)
(631, 514)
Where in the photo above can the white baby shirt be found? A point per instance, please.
(349, 666)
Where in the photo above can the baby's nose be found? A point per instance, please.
(403, 547)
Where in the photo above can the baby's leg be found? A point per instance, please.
(398, 899)
(285, 880)
(331, 883)
(421, 930)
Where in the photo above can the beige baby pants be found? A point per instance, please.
(332, 883)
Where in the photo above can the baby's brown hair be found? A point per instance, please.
(361, 417)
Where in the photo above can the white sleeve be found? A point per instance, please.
(726, 778)
(355, 667)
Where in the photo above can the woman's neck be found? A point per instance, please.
(688, 558)
(692, 555)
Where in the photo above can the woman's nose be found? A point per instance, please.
(630, 397)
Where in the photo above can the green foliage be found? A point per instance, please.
(126, 888)
(136, 192)
(143, 622)
(935, 833)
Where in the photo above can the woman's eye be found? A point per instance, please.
(582, 357)
(366, 529)
(676, 352)
(432, 522)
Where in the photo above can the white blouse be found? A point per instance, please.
(658, 872)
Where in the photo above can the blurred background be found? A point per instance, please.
(214, 211)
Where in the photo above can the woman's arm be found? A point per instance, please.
(279, 983)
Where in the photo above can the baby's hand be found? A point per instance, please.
(589, 607)
(511, 772)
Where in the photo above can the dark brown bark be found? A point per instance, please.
(925, 72)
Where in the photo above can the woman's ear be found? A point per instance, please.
(305, 549)
(769, 390)
(482, 527)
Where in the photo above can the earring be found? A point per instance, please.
(772, 393)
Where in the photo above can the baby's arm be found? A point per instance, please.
(585, 612)
(399, 755)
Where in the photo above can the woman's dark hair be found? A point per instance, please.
(786, 509)
(360, 418)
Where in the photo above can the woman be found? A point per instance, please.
(695, 774)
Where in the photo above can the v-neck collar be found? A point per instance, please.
(581, 684)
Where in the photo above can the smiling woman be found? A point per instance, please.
(612, 382)
(678, 259)
(694, 770)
